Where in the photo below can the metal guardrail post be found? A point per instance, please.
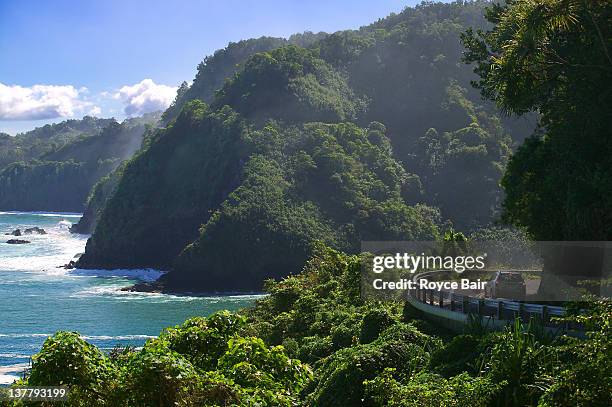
(500, 309)
(544, 314)
(480, 307)
(441, 298)
(464, 305)
(452, 301)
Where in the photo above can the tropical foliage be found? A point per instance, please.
(313, 341)
(553, 56)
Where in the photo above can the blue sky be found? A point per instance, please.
(63, 59)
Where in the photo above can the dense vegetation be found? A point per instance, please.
(224, 63)
(314, 342)
(280, 187)
(50, 185)
(367, 134)
(42, 140)
(554, 57)
(100, 192)
(245, 188)
(54, 167)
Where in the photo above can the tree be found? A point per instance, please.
(554, 57)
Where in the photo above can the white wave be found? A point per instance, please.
(9, 373)
(46, 214)
(64, 224)
(115, 290)
(147, 275)
(46, 252)
(48, 264)
(86, 337)
(13, 356)
(8, 379)
(24, 335)
(116, 338)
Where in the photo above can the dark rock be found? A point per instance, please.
(17, 241)
(144, 288)
(28, 231)
(35, 230)
(69, 266)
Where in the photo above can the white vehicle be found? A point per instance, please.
(506, 284)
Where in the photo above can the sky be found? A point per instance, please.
(65, 59)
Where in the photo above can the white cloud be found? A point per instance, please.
(95, 111)
(145, 97)
(42, 102)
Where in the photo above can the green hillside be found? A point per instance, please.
(42, 140)
(370, 134)
(54, 167)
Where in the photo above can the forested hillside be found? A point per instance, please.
(359, 135)
(42, 140)
(53, 168)
(224, 63)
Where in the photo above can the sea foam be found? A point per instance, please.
(133, 274)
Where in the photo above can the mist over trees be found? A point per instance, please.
(42, 140)
(54, 167)
(362, 134)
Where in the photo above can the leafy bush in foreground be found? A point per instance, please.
(319, 317)
(66, 359)
(203, 340)
(430, 390)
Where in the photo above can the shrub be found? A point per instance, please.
(457, 355)
(430, 390)
(339, 380)
(315, 348)
(584, 379)
(518, 359)
(374, 322)
(251, 364)
(203, 340)
(343, 336)
(66, 359)
(158, 376)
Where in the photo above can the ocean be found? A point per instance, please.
(38, 298)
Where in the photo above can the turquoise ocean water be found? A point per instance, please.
(37, 298)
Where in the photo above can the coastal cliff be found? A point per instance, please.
(369, 134)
